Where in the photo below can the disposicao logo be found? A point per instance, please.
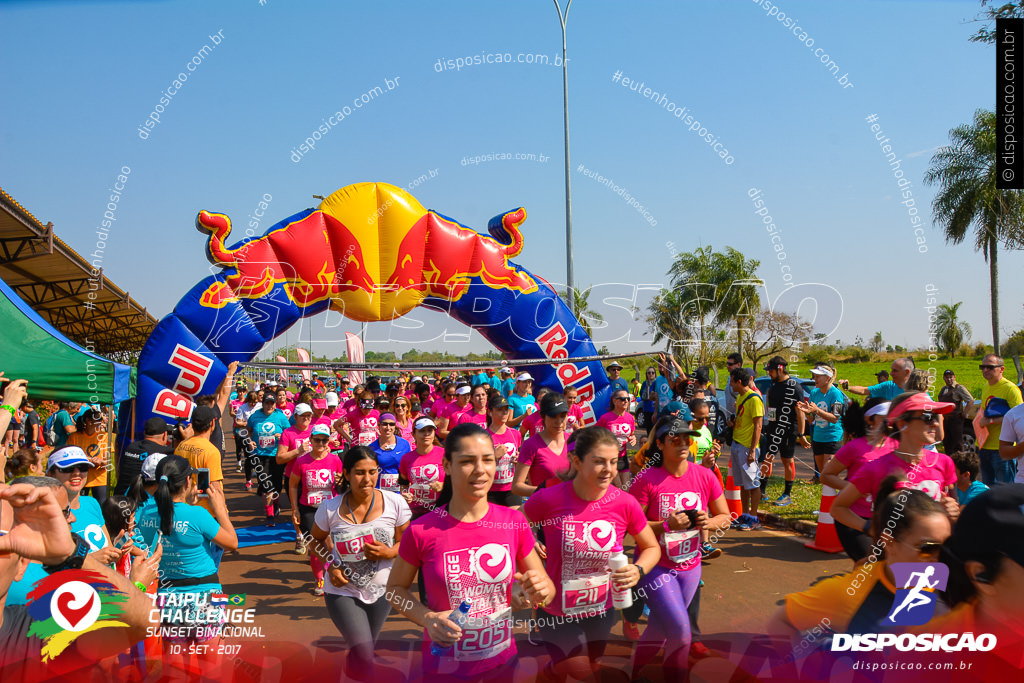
(66, 605)
(914, 605)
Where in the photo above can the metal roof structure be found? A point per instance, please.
(56, 281)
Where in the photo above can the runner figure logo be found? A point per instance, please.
(917, 582)
(68, 604)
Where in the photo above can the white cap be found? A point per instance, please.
(417, 378)
(524, 377)
(423, 423)
(149, 465)
(506, 370)
(822, 370)
(302, 409)
(332, 398)
(66, 457)
(462, 391)
(272, 383)
(320, 430)
(880, 409)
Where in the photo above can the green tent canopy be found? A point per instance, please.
(56, 367)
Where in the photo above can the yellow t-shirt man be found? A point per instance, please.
(1006, 390)
(748, 407)
(201, 453)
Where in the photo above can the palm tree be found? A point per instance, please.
(966, 174)
(579, 304)
(950, 331)
(718, 287)
(877, 342)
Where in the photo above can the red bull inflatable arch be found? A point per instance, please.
(373, 253)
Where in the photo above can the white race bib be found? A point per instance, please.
(389, 481)
(681, 546)
(585, 594)
(349, 544)
(485, 637)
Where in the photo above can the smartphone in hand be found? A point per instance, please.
(203, 481)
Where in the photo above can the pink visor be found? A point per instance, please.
(320, 403)
(922, 402)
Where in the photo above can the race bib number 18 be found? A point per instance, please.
(682, 546)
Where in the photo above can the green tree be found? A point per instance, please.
(579, 303)
(877, 342)
(949, 330)
(717, 288)
(965, 172)
(713, 294)
(991, 12)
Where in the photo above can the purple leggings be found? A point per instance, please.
(667, 593)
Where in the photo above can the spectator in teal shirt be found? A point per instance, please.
(64, 424)
(825, 406)
(506, 385)
(901, 370)
(967, 466)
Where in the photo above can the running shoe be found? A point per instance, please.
(738, 523)
(319, 590)
(300, 546)
(248, 486)
(699, 650)
(709, 552)
(240, 468)
(753, 526)
(630, 630)
(742, 526)
(783, 500)
(271, 522)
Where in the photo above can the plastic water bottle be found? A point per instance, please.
(621, 597)
(460, 617)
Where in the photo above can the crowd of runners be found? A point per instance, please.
(454, 500)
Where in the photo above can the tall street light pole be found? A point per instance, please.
(570, 290)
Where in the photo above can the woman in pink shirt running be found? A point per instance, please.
(586, 521)
(544, 458)
(507, 442)
(473, 551)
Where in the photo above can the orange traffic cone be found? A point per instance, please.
(732, 497)
(825, 539)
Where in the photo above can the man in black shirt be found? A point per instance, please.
(155, 440)
(783, 422)
(31, 425)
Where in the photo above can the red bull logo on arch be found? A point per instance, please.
(373, 253)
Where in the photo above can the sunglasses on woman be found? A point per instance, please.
(927, 418)
(926, 548)
(320, 439)
(387, 424)
(81, 468)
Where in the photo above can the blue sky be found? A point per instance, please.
(82, 77)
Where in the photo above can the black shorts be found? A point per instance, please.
(565, 637)
(825, 447)
(783, 447)
(855, 542)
